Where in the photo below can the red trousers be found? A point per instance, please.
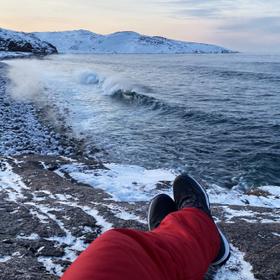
(181, 248)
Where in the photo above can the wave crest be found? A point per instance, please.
(89, 78)
(133, 97)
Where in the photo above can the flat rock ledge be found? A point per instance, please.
(47, 219)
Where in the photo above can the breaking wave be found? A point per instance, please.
(128, 92)
(89, 78)
(123, 90)
(132, 97)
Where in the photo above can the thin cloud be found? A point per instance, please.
(199, 8)
(199, 12)
(259, 24)
(209, 9)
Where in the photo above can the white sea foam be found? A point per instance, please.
(135, 183)
(272, 190)
(122, 182)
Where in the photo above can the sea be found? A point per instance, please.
(214, 116)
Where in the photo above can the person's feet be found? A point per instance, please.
(159, 208)
(189, 193)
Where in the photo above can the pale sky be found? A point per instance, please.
(244, 25)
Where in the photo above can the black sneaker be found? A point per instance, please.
(189, 193)
(160, 206)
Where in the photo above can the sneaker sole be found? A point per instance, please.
(226, 254)
(149, 212)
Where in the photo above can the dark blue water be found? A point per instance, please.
(214, 116)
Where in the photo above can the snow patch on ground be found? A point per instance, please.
(32, 236)
(120, 213)
(250, 216)
(93, 213)
(68, 239)
(71, 244)
(236, 268)
(50, 266)
(236, 197)
(4, 259)
(42, 217)
(231, 213)
(11, 183)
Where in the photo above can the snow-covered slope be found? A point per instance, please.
(14, 41)
(83, 41)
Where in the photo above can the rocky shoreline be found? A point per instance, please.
(48, 216)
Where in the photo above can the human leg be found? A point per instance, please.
(182, 247)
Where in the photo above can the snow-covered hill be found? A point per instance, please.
(83, 41)
(14, 41)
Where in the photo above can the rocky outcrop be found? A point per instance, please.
(13, 41)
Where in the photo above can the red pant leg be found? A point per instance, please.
(181, 248)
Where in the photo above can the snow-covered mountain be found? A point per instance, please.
(14, 41)
(83, 41)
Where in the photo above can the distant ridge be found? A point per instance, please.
(84, 41)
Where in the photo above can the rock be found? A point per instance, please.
(13, 41)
